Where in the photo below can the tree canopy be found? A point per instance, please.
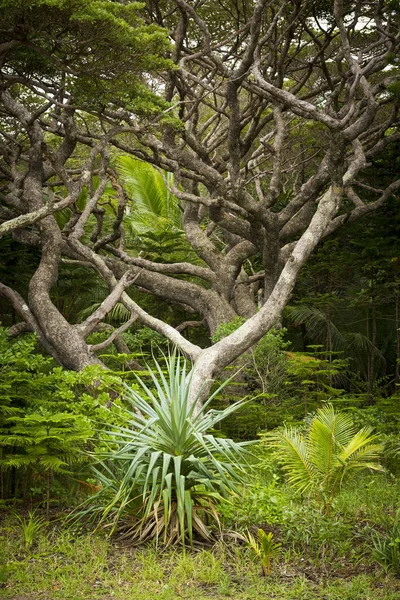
(271, 116)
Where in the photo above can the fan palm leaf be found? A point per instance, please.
(315, 320)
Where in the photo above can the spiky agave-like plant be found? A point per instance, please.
(319, 461)
(162, 473)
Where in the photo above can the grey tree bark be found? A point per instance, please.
(279, 120)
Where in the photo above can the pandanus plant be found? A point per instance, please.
(162, 473)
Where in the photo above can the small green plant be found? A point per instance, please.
(264, 547)
(46, 416)
(3, 575)
(30, 527)
(387, 547)
(320, 461)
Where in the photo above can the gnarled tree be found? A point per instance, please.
(269, 120)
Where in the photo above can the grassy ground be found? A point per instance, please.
(90, 567)
(325, 558)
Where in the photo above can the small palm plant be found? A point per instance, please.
(320, 461)
(264, 547)
(162, 474)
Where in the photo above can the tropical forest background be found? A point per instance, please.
(335, 357)
(283, 479)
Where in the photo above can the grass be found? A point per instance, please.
(324, 558)
(90, 567)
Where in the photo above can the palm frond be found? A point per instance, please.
(149, 192)
(294, 457)
(332, 447)
(315, 321)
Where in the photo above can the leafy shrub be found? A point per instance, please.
(383, 416)
(258, 504)
(306, 529)
(46, 414)
(284, 386)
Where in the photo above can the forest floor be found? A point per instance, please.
(63, 565)
(323, 557)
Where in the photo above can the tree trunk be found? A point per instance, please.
(66, 344)
(371, 362)
(218, 311)
(211, 361)
(397, 325)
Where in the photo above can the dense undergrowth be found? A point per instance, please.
(73, 440)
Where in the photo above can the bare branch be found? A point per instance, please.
(108, 304)
(116, 333)
(182, 326)
(34, 216)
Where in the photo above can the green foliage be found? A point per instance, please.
(263, 377)
(147, 341)
(267, 367)
(387, 547)
(270, 361)
(78, 291)
(320, 461)
(153, 205)
(264, 547)
(258, 503)
(394, 89)
(383, 415)
(16, 268)
(68, 566)
(162, 471)
(347, 297)
(284, 385)
(154, 220)
(225, 329)
(46, 413)
(51, 440)
(30, 527)
(327, 556)
(115, 48)
(311, 378)
(314, 540)
(3, 574)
